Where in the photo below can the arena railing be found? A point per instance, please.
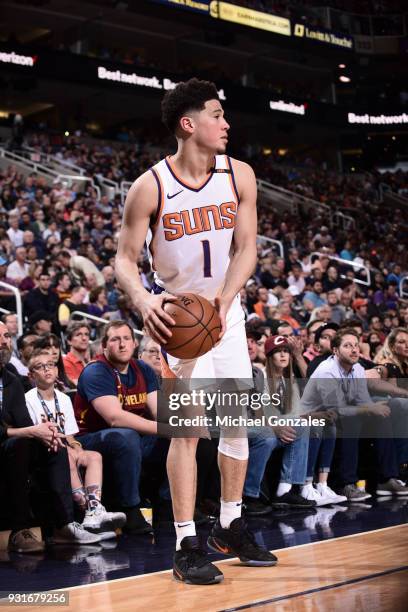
(260, 239)
(48, 173)
(293, 199)
(108, 187)
(19, 305)
(347, 262)
(85, 315)
(124, 188)
(342, 221)
(403, 292)
(55, 162)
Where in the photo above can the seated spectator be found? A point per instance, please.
(296, 278)
(18, 269)
(360, 308)
(74, 303)
(126, 313)
(25, 346)
(339, 384)
(14, 232)
(40, 323)
(98, 302)
(150, 351)
(315, 295)
(52, 344)
(63, 285)
(394, 357)
(357, 327)
(25, 447)
(296, 346)
(294, 441)
(80, 266)
(311, 351)
(77, 334)
(264, 299)
(45, 403)
(323, 337)
(337, 312)
(115, 405)
(11, 322)
(286, 314)
(41, 298)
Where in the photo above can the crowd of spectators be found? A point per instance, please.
(303, 311)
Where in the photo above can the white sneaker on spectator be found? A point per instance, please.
(328, 494)
(309, 492)
(74, 533)
(99, 517)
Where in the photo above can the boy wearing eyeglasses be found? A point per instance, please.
(46, 403)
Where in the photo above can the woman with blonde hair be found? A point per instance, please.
(393, 360)
(394, 357)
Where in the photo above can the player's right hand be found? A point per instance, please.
(155, 318)
(380, 409)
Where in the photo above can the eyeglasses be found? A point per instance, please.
(152, 351)
(44, 366)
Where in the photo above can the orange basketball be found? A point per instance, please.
(197, 327)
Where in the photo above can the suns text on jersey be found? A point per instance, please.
(198, 220)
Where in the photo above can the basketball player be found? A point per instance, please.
(197, 211)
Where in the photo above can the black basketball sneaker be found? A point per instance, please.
(239, 541)
(191, 564)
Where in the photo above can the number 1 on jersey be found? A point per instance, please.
(207, 258)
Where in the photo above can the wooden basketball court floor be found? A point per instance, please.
(363, 571)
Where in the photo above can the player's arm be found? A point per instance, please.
(243, 260)
(108, 406)
(140, 207)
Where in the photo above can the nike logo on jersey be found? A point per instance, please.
(174, 194)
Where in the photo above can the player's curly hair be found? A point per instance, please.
(186, 96)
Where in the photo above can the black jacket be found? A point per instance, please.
(13, 412)
(37, 300)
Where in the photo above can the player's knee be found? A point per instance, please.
(236, 448)
(190, 443)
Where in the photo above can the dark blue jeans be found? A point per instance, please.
(294, 460)
(123, 450)
(321, 449)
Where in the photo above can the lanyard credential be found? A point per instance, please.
(59, 417)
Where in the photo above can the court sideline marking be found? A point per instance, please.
(167, 571)
(327, 587)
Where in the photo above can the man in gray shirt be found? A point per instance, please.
(339, 384)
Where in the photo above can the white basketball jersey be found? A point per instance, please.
(191, 236)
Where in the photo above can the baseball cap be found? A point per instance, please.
(358, 302)
(275, 343)
(322, 329)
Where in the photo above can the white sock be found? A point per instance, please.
(229, 512)
(184, 529)
(283, 488)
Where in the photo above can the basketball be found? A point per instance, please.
(197, 327)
